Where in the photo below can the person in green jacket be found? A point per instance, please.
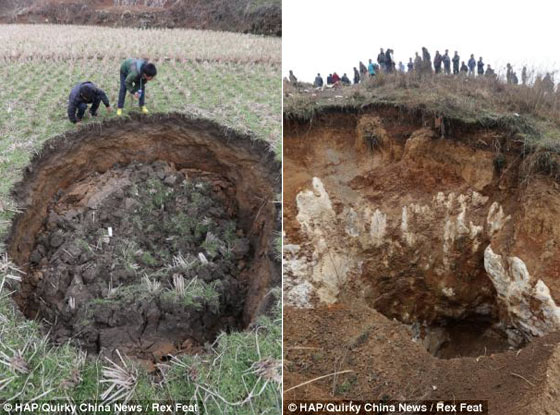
(135, 74)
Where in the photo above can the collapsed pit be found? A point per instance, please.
(387, 207)
(150, 235)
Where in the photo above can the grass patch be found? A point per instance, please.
(194, 293)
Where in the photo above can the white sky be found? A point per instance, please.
(327, 35)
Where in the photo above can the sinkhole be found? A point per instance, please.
(149, 235)
(384, 208)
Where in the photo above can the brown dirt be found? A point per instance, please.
(234, 16)
(388, 365)
(405, 242)
(83, 182)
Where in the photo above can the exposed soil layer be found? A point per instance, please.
(433, 233)
(149, 235)
(387, 365)
(236, 16)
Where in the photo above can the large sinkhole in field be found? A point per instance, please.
(150, 235)
(420, 222)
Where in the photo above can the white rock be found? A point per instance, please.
(314, 207)
(529, 305)
(352, 223)
(378, 227)
(299, 295)
(496, 218)
(478, 200)
(408, 236)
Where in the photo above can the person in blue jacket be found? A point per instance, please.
(371, 68)
(410, 64)
(446, 62)
(81, 96)
(480, 67)
(318, 81)
(456, 60)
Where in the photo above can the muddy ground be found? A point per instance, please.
(417, 261)
(236, 16)
(151, 243)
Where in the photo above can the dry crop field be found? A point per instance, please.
(232, 79)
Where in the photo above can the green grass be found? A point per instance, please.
(231, 78)
(197, 294)
(29, 365)
(258, 371)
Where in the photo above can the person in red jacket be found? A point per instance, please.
(335, 78)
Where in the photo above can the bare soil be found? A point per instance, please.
(188, 203)
(222, 15)
(388, 218)
(388, 365)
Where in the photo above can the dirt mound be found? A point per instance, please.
(423, 225)
(150, 235)
(239, 16)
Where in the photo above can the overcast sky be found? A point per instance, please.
(326, 35)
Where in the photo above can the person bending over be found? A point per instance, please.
(83, 94)
(135, 74)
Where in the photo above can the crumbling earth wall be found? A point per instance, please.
(442, 230)
(425, 227)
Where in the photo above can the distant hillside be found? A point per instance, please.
(245, 16)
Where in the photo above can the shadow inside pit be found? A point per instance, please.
(471, 337)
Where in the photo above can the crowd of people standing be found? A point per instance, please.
(424, 64)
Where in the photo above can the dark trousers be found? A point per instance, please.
(122, 93)
(82, 107)
(94, 107)
(81, 110)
